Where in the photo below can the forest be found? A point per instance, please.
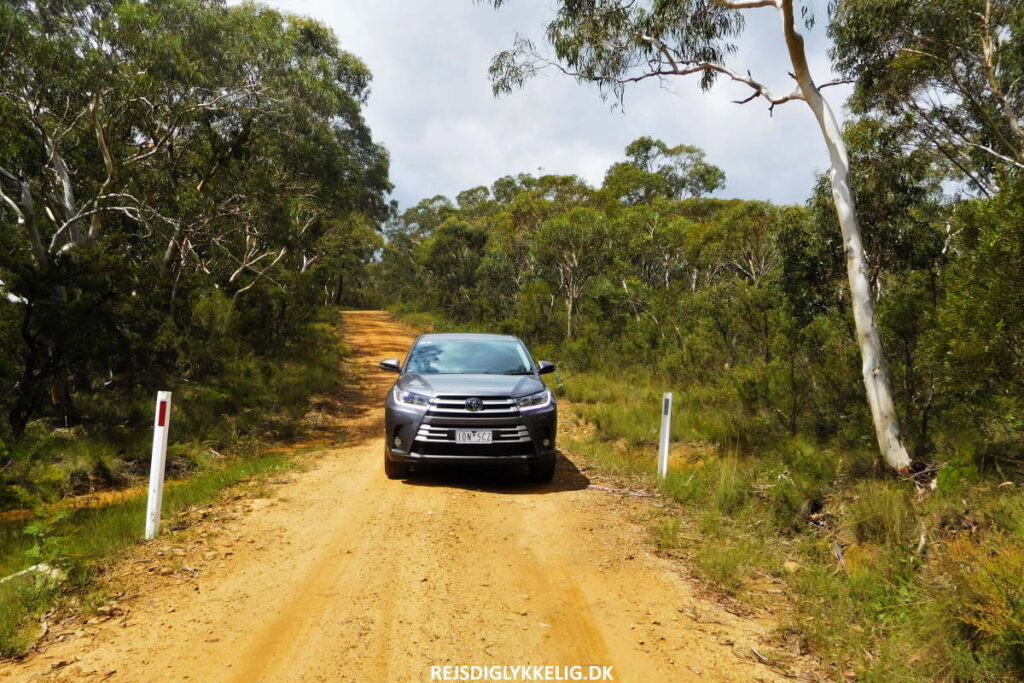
(190, 191)
(186, 185)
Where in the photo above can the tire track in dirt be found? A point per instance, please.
(347, 576)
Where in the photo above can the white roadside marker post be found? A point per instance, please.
(161, 424)
(666, 432)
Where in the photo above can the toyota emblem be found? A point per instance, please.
(474, 405)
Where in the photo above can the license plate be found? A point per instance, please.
(472, 436)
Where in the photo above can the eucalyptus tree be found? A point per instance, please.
(474, 199)
(948, 72)
(572, 249)
(184, 116)
(747, 239)
(614, 43)
(653, 242)
(899, 192)
(454, 253)
(506, 188)
(653, 169)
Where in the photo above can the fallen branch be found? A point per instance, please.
(923, 476)
(623, 492)
(46, 570)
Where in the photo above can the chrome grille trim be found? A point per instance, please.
(456, 405)
(444, 434)
(482, 413)
(448, 401)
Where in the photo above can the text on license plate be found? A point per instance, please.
(472, 436)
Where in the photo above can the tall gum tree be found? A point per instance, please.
(614, 43)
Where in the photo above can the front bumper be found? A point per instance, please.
(403, 424)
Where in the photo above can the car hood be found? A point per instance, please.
(470, 385)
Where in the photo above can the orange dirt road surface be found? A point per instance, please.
(342, 575)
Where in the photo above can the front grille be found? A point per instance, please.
(498, 414)
(455, 406)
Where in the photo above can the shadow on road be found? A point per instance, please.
(503, 480)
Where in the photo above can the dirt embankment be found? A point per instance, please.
(342, 575)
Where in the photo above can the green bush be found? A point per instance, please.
(977, 613)
(240, 398)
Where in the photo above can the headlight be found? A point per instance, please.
(534, 401)
(410, 399)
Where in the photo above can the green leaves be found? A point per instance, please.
(947, 71)
(655, 170)
(47, 547)
(615, 42)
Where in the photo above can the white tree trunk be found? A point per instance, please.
(568, 316)
(876, 377)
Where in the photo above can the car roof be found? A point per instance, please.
(466, 335)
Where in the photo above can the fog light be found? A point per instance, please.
(546, 442)
(398, 441)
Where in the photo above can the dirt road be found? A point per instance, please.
(343, 575)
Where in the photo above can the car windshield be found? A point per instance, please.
(469, 356)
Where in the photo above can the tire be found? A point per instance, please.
(395, 470)
(543, 471)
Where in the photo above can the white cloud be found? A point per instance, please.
(432, 107)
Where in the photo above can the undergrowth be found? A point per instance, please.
(78, 542)
(220, 431)
(886, 583)
(247, 401)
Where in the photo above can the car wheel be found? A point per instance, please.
(395, 470)
(542, 471)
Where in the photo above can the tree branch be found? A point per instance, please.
(683, 68)
(108, 162)
(24, 209)
(746, 4)
(261, 273)
(760, 90)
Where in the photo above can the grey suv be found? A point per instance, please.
(469, 398)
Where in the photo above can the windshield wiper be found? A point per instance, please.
(519, 372)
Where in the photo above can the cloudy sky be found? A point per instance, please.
(432, 107)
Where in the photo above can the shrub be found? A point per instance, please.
(979, 606)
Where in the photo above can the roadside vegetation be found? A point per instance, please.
(885, 582)
(186, 187)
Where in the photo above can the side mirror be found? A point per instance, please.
(544, 367)
(391, 365)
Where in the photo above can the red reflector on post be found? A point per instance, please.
(158, 463)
